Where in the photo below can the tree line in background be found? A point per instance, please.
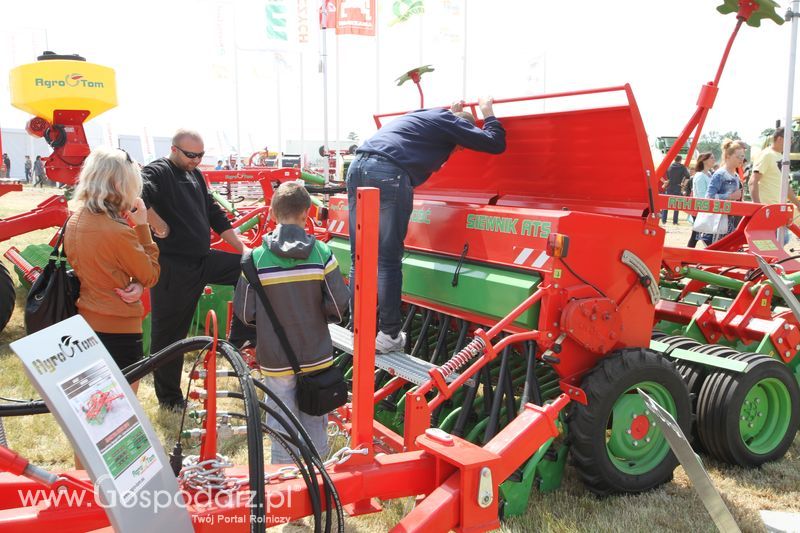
(712, 142)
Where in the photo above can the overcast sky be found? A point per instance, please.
(176, 62)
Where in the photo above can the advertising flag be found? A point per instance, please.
(327, 14)
(276, 20)
(302, 21)
(355, 17)
(405, 9)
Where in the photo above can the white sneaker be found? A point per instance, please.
(385, 344)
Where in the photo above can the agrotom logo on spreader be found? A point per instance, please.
(70, 80)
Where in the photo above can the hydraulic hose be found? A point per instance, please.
(298, 437)
(132, 373)
(330, 488)
(255, 443)
(325, 190)
(303, 466)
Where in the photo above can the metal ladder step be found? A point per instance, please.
(399, 364)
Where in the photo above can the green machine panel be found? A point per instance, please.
(481, 289)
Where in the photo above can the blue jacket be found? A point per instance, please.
(722, 184)
(420, 142)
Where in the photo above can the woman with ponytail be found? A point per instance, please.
(725, 183)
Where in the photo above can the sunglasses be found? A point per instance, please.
(127, 155)
(190, 155)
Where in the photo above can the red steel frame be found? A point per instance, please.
(447, 473)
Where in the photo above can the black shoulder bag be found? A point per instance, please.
(54, 294)
(318, 393)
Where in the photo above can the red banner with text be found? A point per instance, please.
(355, 17)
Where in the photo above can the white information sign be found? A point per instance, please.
(91, 400)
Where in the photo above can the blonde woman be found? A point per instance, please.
(725, 183)
(108, 244)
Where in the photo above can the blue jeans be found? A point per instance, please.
(397, 202)
(674, 216)
(285, 388)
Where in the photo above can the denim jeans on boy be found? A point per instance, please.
(285, 388)
(397, 202)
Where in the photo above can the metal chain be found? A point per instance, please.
(208, 475)
(341, 456)
(335, 430)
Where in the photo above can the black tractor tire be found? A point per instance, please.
(589, 425)
(723, 400)
(7, 296)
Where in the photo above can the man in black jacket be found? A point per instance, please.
(181, 211)
(676, 173)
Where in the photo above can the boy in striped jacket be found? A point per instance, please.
(302, 281)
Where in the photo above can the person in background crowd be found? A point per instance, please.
(686, 184)
(725, 183)
(7, 164)
(766, 177)
(38, 171)
(676, 173)
(28, 167)
(219, 165)
(765, 181)
(702, 176)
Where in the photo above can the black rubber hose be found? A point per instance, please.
(497, 399)
(306, 471)
(531, 391)
(330, 488)
(467, 408)
(304, 466)
(325, 190)
(309, 477)
(488, 391)
(441, 340)
(255, 442)
(132, 373)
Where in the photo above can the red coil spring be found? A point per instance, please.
(469, 352)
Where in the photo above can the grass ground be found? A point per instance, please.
(673, 507)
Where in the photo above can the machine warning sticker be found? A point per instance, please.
(765, 245)
(110, 422)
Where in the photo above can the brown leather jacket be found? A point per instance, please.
(108, 254)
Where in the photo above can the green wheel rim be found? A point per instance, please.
(764, 416)
(634, 443)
